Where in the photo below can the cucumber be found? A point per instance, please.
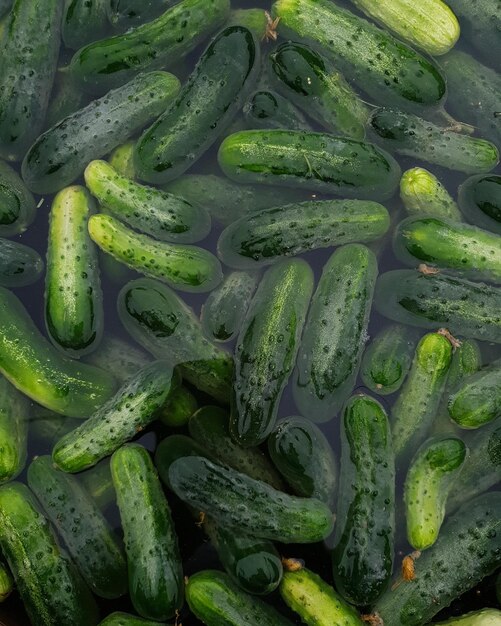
(235, 500)
(162, 323)
(73, 297)
(484, 617)
(19, 264)
(60, 154)
(385, 68)
(115, 354)
(30, 49)
(304, 457)
(423, 194)
(433, 471)
(213, 94)
(179, 408)
(46, 427)
(253, 19)
(335, 333)
(480, 25)
(172, 448)
(155, 570)
(118, 420)
(479, 199)
(307, 79)
(225, 308)
(315, 161)
(467, 549)
(121, 160)
(65, 99)
(126, 14)
(14, 414)
(52, 591)
(267, 235)
(266, 349)
(154, 45)
(38, 370)
(95, 549)
(410, 135)
(17, 205)
(6, 582)
(98, 484)
(157, 213)
(268, 109)
(125, 619)
(84, 21)
(185, 267)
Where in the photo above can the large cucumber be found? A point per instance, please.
(423, 194)
(479, 199)
(14, 413)
(84, 21)
(268, 109)
(480, 24)
(17, 205)
(20, 265)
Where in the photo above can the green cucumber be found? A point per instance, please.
(121, 160)
(179, 408)
(479, 199)
(98, 484)
(17, 205)
(6, 582)
(119, 356)
(268, 109)
(52, 591)
(84, 21)
(315, 161)
(253, 19)
(19, 264)
(125, 619)
(46, 427)
(484, 617)
(37, 369)
(433, 471)
(308, 80)
(165, 326)
(30, 49)
(155, 570)
(267, 235)
(172, 448)
(118, 420)
(61, 153)
(126, 14)
(14, 413)
(266, 349)
(335, 333)
(184, 267)
(73, 298)
(480, 25)
(388, 70)
(235, 500)
(65, 99)
(95, 549)
(410, 135)
(423, 194)
(213, 94)
(157, 213)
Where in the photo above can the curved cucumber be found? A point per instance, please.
(14, 414)
(17, 205)
(335, 333)
(84, 21)
(268, 109)
(179, 408)
(479, 199)
(423, 194)
(484, 617)
(125, 619)
(115, 354)
(6, 582)
(265, 236)
(266, 349)
(19, 264)
(480, 25)
(121, 160)
(314, 161)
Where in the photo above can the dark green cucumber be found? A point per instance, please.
(335, 333)
(119, 356)
(480, 24)
(98, 484)
(235, 500)
(17, 205)
(61, 153)
(165, 326)
(203, 110)
(118, 420)
(423, 194)
(14, 413)
(479, 199)
(121, 160)
(37, 369)
(268, 109)
(384, 67)
(266, 349)
(314, 161)
(52, 591)
(172, 448)
(267, 235)
(66, 98)
(6, 582)
(95, 549)
(125, 619)
(410, 135)
(19, 264)
(306, 78)
(30, 49)
(126, 14)
(179, 408)
(84, 21)
(155, 570)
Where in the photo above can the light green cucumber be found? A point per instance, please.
(479, 199)
(17, 205)
(121, 160)
(179, 408)
(14, 414)
(98, 484)
(423, 194)
(20, 265)
(6, 582)
(268, 109)
(84, 21)
(118, 618)
(66, 98)
(484, 617)
(119, 356)
(480, 25)
(253, 19)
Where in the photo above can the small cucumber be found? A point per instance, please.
(268, 109)
(125, 619)
(6, 582)
(17, 205)
(479, 199)
(84, 21)
(423, 194)
(115, 354)
(179, 408)
(19, 264)
(98, 484)
(73, 298)
(65, 99)
(157, 213)
(266, 349)
(253, 19)
(14, 413)
(314, 161)
(480, 25)
(256, 508)
(184, 267)
(155, 570)
(335, 333)
(410, 135)
(121, 160)
(118, 420)
(484, 617)
(95, 549)
(61, 153)
(165, 326)
(52, 591)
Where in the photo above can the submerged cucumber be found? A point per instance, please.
(19, 264)
(84, 21)
(119, 356)
(268, 109)
(17, 205)
(423, 194)
(479, 199)
(480, 25)
(253, 19)
(98, 484)
(126, 14)
(14, 414)
(65, 99)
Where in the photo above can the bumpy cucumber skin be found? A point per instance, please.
(467, 549)
(37, 369)
(61, 153)
(268, 109)
(335, 332)
(115, 354)
(73, 298)
(479, 199)
(14, 413)
(124, 619)
(313, 161)
(121, 160)
(118, 420)
(484, 617)
(384, 67)
(423, 194)
(91, 542)
(6, 582)
(30, 49)
(266, 349)
(162, 323)
(152, 211)
(19, 264)
(155, 570)
(179, 408)
(84, 21)
(17, 205)
(52, 591)
(256, 508)
(267, 235)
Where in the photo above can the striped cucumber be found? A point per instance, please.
(6, 582)
(117, 355)
(118, 618)
(484, 617)
(20, 265)
(179, 408)
(268, 109)
(121, 160)
(479, 199)
(14, 414)
(423, 194)
(17, 205)
(84, 21)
